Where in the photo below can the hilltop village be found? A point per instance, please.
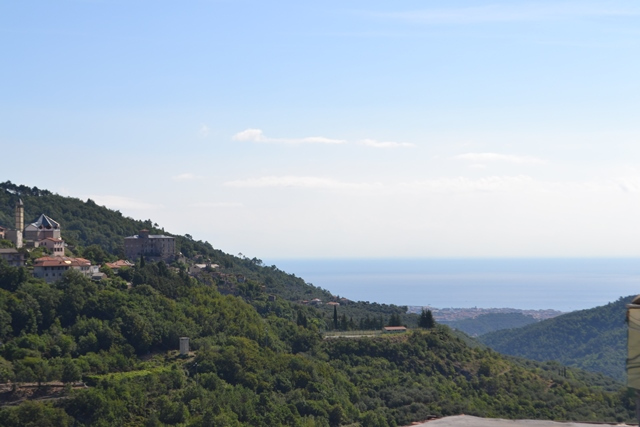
(45, 233)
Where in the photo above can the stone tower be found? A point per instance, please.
(16, 235)
(20, 215)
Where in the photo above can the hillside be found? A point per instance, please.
(97, 233)
(255, 361)
(593, 339)
(486, 323)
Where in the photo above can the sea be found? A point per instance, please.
(564, 284)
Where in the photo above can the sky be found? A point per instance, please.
(335, 129)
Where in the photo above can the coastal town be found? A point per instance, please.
(459, 313)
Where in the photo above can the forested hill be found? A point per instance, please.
(250, 367)
(97, 233)
(593, 339)
(255, 360)
(490, 322)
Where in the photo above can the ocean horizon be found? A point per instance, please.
(564, 284)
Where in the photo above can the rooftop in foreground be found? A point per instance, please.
(470, 421)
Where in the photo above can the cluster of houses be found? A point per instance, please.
(46, 232)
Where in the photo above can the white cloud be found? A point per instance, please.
(439, 185)
(203, 132)
(254, 135)
(387, 144)
(447, 185)
(508, 12)
(496, 157)
(310, 182)
(185, 177)
(217, 205)
(257, 135)
(122, 203)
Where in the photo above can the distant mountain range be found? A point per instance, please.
(593, 339)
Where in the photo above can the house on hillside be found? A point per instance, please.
(52, 269)
(56, 246)
(394, 329)
(152, 246)
(196, 269)
(2, 231)
(12, 257)
(117, 265)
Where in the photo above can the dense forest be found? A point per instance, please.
(79, 352)
(491, 322)
(593, 339)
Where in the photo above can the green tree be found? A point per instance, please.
(335, 317)
(394, 320)
(426, 319)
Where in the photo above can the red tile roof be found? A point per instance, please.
(395, 328)
(61, 261)
(120, 263)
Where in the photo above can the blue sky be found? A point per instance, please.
(336, 129)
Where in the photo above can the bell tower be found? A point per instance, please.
(20, 215)
(19, 223)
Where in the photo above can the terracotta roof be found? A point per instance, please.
(120, 263)
(395, 328)
(53, 240)
(60, 261)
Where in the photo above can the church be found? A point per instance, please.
(45, 232)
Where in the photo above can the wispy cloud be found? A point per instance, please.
(121, 202)
(497, 157)
(296, 182)
(444, 185)
(217, 205)
(384, 144)
(257, 135)
(437, 185)
(185, 177)
(510, 12)
(204, 131)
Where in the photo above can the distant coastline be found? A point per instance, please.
(563, 284)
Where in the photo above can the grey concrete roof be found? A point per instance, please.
(470, 421)
(44, 222)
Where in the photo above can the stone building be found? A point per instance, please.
(44, 232)
(52, 269)
(12, 257)
(43, 228)
(55, 246)
(154, 247)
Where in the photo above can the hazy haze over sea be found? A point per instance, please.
(560, 284)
